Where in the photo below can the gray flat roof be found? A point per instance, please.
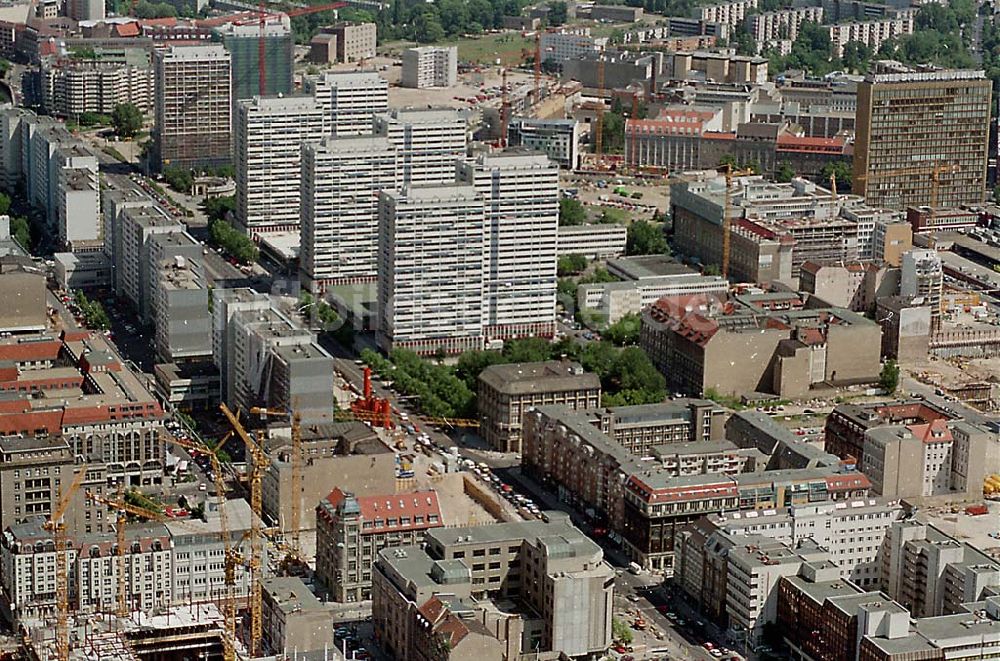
(549, 376)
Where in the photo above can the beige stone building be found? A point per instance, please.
(506, 392)
(557, 573)
(295, 621)
(347, 455)
(351, 530)
(355, 41)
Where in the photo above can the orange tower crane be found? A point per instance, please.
(57, 526)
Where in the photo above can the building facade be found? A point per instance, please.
(193, 106)
(430, 66)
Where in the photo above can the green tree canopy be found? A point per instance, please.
(646, 238)
(571, 264)
(571, 212)
(126, 119)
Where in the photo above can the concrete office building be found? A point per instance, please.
(85, 10)
(267, 359)
(33, 470)
(295, 622)
(508, 392)
(428, 142)
(198, 552)
(852, 285)
(430, 66)
(341, 181)
(78, 209)
(352, 530)
(569, 44)
(24, 284)
(592, 241)
(243, 43)
(355, 41)
(559, 139)
(520, 191)
(431, 269)
(270, 134)
(922, 275)
(922, 460)
(138, 226)
(351, 98)
(193, 106)
(935, 128)
(570, 598)
(933, 574)
(182, 320)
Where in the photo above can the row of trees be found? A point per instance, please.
(319, 313)
(233, 242)
(941, 36)
(93, 313)
(428, 23)
(438, 391)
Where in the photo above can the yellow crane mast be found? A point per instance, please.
(229, 604)
(294, 547)
(259, 462)
(57, 526)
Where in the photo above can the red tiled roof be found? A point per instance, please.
(380, 509)
(725, 486)
(847, 481)
(934, 432)
(23, 352)
(167, 22)
(128, 29)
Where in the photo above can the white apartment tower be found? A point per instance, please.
(520, 190)
(428, 142)
(430, 66)
(351, 99)
(193, 106)
(270, 133)
(430, 271)
(341, 181)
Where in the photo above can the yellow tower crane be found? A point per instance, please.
(935, 171)
(57, 526)
(232, 557)
(294, 547)
(259, 462)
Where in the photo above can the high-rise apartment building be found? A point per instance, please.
(430, 271)
(341, 180)
(521, 192)
(352, 99)
(430, 66)
(193, 99)
(243, 44)
(429, 141)
(270, 133)
(921, 137)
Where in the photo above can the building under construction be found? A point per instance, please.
(177, 634)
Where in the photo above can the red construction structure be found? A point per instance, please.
(371, 408)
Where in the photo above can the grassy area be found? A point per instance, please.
(486, 49)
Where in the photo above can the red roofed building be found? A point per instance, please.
(351, 530)
(77, 387)
(442, 634)
(934, 458)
